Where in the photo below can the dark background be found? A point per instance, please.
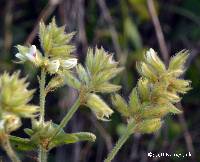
(124, 27)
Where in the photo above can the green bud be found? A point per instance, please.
(120, 105)
(107, 88)
(153, 60)
(177, 62)
(143, 89)
(158, 111)
(148, 126)
(146, 71)
(134, 101)
(82, 74)
(99, 107)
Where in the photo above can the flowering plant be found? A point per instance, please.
(154, 96)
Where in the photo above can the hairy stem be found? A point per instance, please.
(5, 143)
(120, 142)
(42, 94)
(67, 117)
(42, 153)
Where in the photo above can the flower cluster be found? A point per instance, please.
(57, 53)
(156, 92)
(95, 77)
(14, 98)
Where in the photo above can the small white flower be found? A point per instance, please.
(53, 66)
(69, 63)
(32, 55)
(151, 54)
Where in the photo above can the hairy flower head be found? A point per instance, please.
(14, 98)
(99, 69)
(157, 90)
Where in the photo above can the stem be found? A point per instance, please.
(5, 143)
(42, 153)
(42, 94)
(120, 142)
(67, 117)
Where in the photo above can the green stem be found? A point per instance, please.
(42, 94)
(67, 117)
(120, 142)
(42, 153)
(5, 143)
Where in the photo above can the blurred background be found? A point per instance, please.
(126, 28)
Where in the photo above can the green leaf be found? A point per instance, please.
(65, 138)
(22, 144)
(132, 33)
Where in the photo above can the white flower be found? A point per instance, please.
(32, 56)
(151, 54)
(53, 66)
(69, 63)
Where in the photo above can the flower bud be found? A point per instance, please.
(152, 59)
(53, 66)
(99, 107)
(69, 63)
(148, 126)
(29, 54)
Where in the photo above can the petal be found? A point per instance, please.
(20, 56)
(30, 57)
(53, 66)
(33, 50)
(69, 63)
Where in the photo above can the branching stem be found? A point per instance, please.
(67, 117)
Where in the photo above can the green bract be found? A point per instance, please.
(156, 92)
